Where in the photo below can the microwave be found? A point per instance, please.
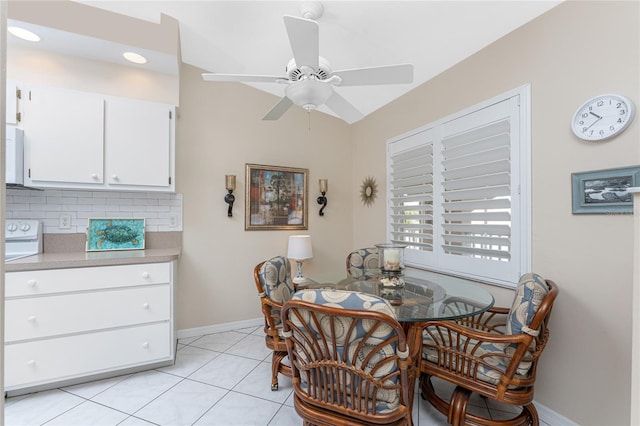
(14, 155)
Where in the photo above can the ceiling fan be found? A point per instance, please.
(310, 80)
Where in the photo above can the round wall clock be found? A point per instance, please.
(602, 117)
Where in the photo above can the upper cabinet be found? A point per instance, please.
(90, 141)
(138, 143)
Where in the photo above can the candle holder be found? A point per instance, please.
(391, 264)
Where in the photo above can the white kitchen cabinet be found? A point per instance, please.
(138, 143)
(70, 325)
(63, 137)
(91, 141)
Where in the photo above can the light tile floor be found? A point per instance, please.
(217, 379)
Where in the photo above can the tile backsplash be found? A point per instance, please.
(161, 211)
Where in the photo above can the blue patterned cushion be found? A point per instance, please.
(532, 288)
(361, 260)
(275, 277)
(388, 400)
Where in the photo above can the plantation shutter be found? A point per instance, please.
(478, 190)
(454, 193)
(411, 194)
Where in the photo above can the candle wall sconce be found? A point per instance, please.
(230, 184)
(324, 185)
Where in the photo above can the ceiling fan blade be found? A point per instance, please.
(211, 76)
(304, 37)
(278, 109)
(343, 108)
(389, 74)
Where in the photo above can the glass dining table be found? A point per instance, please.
(426, 296)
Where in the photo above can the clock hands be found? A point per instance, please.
(598, 119)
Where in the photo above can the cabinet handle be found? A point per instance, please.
(31, 363)
(145, 275)
(114, 177)
(31, 318)
(145, 345)
(94, 176)
(32, 283)
(145, 305)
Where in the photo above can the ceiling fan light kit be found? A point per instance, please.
(310, 80)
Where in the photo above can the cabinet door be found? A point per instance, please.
(63, 136)
(138, 143)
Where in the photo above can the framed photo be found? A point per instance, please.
(604, 191)
(276, 198)
(115, 234)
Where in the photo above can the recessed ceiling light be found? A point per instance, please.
(23, 34)
(134, 57)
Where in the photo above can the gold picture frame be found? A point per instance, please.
(276, 198)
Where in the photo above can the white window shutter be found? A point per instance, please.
(454, 191)
(410, 188)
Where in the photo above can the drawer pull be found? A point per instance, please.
(31, 318)
(32, 283)
(145, 345)
(145, 305)
(31, 363)
(145, 275)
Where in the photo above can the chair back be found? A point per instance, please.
(349, 358)
(360, 260)
(274, 285)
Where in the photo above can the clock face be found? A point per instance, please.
(602, 117)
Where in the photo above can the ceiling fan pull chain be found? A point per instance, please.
(309, 119)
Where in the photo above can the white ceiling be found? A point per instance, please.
(249, 37)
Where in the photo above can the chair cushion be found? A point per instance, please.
(361, 260)
(275, 277)
(388, 400)
(532, 288)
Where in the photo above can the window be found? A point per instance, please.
(458, 191)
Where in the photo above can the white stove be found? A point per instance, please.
(23, 237)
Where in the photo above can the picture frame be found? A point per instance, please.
(104, 234)
(276, 198)
(604, 191)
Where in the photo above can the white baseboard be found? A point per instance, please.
(550, 417)
(218, 328)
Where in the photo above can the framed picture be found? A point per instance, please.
(276, 198)
(604, 191)
(115, 234)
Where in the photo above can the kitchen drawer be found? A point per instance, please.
(49, 281)
(37, 317)
(52, 360)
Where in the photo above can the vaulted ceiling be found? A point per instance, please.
(249, 37)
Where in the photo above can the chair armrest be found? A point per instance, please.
(451, 328)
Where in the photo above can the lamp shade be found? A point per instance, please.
(300, 247)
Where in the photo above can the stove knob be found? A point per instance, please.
(12, 227)
(25, 227)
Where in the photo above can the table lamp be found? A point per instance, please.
(299, 250)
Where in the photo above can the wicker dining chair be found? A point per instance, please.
(349, 358)
(274, 285)
(494, 354)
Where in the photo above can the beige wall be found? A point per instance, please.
(575, 51)
(218, 131)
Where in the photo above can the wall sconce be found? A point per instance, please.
(324, 185)
(230, 184)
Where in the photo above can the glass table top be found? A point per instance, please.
(430, 296)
